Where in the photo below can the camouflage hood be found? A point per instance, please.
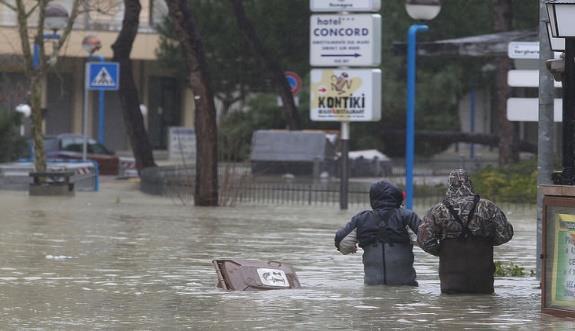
(459, 185)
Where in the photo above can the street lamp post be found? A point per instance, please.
(91, 45)
(418, 10)
(55, 18)
(562, 25)
(26, 111)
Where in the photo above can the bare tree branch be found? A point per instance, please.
(8, 5)
(31, 11)
(272, 65)
(66, 33)
(24, 34)
(104, 7)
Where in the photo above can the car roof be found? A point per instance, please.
(69, 135)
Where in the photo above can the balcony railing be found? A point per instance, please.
(111, 20)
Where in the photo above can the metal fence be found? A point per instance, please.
(15, 176)
(238, 186)
(253, 192)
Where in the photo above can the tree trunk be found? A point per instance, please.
(272, 66)
(508, 151)
(36, 81)
(129, 98)
(206, 188)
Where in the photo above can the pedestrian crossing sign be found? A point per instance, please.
(102, 76)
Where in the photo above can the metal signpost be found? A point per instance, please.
(100, 76)
(345, 95)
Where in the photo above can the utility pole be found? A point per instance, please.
(545, 125)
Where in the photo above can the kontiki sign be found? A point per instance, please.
(345, 95)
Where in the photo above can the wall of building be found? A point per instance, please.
(168, 100)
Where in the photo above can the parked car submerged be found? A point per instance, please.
(369, 163)
(68, 146)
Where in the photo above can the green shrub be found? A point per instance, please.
(509, 270)
(12, 145)
(514, 183)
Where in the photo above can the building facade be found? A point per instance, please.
(166, 99)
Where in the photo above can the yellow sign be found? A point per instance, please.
(345, 95)
(563, 276)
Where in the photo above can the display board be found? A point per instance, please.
(182, 144)
(352, 95)
(558, 297)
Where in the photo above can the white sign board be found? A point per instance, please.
(352, 95)
(527, 110)
(526, 50)
(523, 50)
(525, 78)
(345, 5)
(345, 40)
(182, 144)
(273, 277)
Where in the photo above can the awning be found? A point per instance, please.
(494, 44)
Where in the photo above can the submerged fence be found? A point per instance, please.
(238, 186)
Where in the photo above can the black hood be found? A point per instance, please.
(384, 194)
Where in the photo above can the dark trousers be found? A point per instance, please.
(466, 266)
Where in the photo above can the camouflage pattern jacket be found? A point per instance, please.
(488, 221)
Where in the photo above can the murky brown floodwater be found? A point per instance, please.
(119, 259)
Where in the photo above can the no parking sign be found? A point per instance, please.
(294, 81)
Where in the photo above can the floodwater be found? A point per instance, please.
(119, 260)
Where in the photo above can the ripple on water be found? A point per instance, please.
(146, 264)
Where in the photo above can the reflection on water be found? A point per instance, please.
(120, 259)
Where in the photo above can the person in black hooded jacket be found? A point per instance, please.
(383, 236)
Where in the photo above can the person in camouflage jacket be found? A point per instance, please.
(462, 230)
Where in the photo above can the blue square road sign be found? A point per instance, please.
(102, 76)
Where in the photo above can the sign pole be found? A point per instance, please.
(344, 177)
(100, 76)
(101, 111)
(345, 40)
(410, 132)
(85, 117)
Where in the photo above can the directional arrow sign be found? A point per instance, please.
(345, 40)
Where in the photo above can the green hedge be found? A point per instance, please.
(11, 144)
(514, 183)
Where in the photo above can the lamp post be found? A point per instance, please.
(91, 45)
(562, 25)
(26, 111)
(418, 10)
(55, 18)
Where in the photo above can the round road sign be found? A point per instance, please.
(294, 81)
